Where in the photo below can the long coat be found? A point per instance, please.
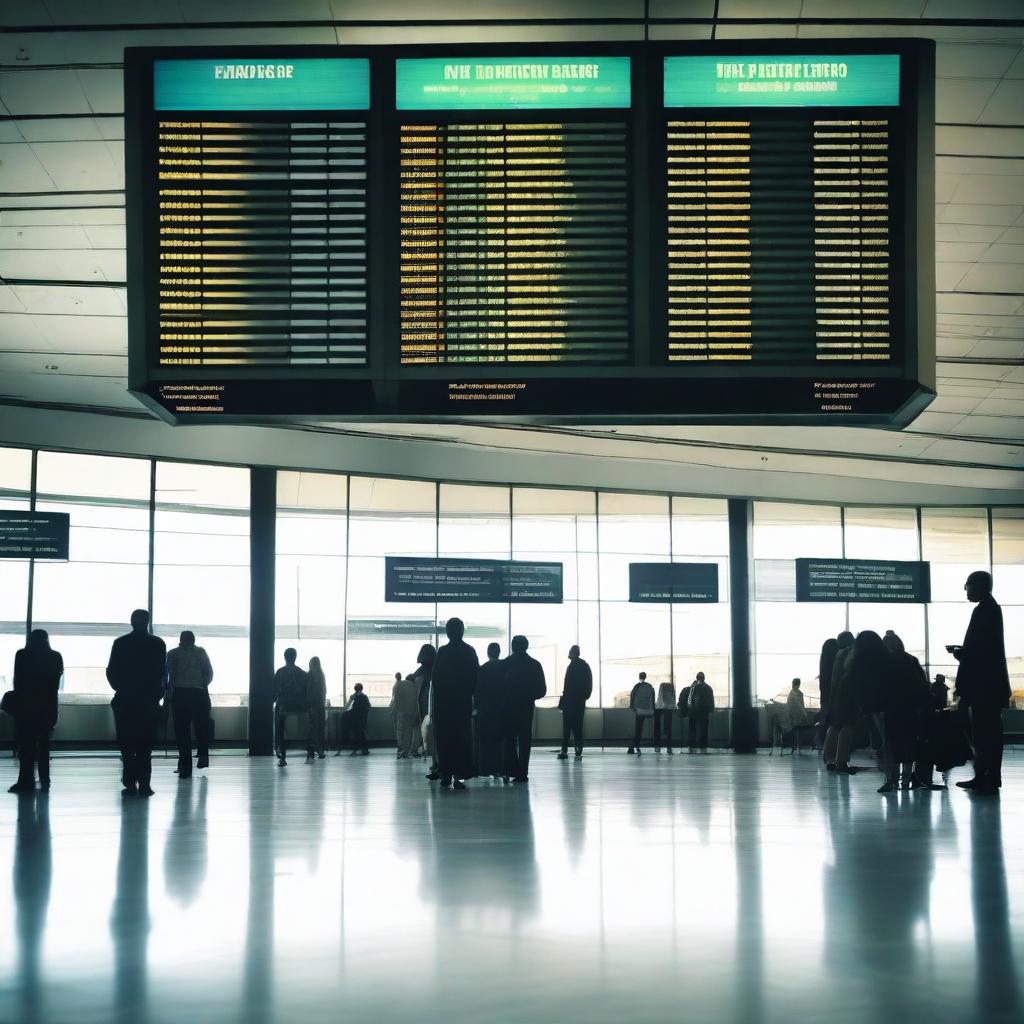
(37, 672)
(136, 671)
(453, 682)
(525, 685)
(489, 699)
(982, 679)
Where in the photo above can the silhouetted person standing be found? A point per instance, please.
(187, 685)
(453, 682)
(641, 703)
(983, 683)
(37, 672)
(291, 697)
(524, 687)
(702, 703)
(354, 719)
(135, 672)
(317, 692)
(576, 690)
(489, 699)
(406, 712)
(663, 709)
(424, 670)
(826, 663)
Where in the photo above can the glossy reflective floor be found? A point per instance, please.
(715, 888)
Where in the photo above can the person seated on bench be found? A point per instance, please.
(353, 721)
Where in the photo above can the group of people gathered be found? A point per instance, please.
(866, 681)
(871, 681)
(144, 676)
(695, 704)
(434, 708)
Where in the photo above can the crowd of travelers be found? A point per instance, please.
(473, 719)
(874, 692)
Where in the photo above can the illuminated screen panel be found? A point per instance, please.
(514, 245)
(514, 235)
(780, 219)
(635, 233)
(260, 223)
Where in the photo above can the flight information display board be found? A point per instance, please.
(785, 224)
(34, 534)
(514, 241)
(582, 234)
(673, 582)
(862, 580)
(473, 580)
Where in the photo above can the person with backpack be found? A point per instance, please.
(702, 703)
(291, 697)
(663, 709)
(641, 703)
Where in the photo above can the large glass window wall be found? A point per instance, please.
(87, 601)
(955, 541)
(201, 567)
(176, 535)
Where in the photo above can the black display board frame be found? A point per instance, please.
(686, 594)
(56, 541)
(803, 582)
(393, 564)
(648, 390)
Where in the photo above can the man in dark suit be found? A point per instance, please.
(576, 691)
(524, 686)
(453, 683)
(984, 683)
(135, 672)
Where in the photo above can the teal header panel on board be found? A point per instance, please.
(509, 83)
(281, 84)
(844, 80)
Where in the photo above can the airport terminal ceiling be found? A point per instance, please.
(64, 322)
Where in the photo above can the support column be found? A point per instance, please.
(262, 515)
(741, 566)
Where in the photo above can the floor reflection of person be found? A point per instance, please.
(185, 851)
(998, 984)
(32, 873)
(129, 917)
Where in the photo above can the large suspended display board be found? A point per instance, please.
(644, 233)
